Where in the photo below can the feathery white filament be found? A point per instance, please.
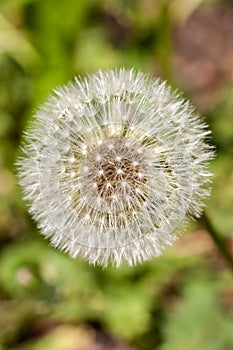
(113, 165)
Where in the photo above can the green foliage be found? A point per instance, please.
(198, 321)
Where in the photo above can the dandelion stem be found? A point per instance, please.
(219, 242)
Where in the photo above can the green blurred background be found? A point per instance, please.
(181, 301)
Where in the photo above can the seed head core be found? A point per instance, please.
(118, 170)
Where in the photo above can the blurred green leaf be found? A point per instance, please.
(15, 43)
(198, 321)
(127, 311)
(33, 269)
(94, 45)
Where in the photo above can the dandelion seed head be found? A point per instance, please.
(113, 165)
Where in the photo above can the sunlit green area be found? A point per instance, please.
(181, 301)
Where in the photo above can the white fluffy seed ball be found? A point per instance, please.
(113, 165)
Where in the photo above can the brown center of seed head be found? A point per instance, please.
(117, 169)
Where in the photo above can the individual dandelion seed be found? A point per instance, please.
(113, 165)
